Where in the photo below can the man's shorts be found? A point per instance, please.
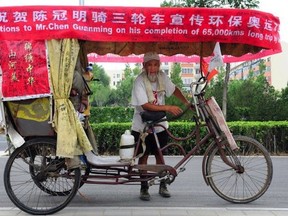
(151, 146)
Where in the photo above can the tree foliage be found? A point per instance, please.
(124, 88)
(252, 99)
(242, 4)
(101, 89)
(281, 105)
(99, 73)
(176, 75)
(176, 79)
(121, 96)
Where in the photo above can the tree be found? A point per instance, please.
(259, 106)
(216, 86)
(100, 95)
(242, 4)
(137, 69)
(101, 89)
(262, 66)
(121, 96)
(264, 106)
(281, 105)
(99, 73)
(175, 75)
(176, 79)
(191, 3)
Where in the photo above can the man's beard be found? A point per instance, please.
(153, 77)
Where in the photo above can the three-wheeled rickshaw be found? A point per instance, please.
(43, 48)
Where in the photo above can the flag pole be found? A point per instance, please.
(81, 2)
(201, 59)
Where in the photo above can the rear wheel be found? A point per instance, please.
(37, 181)
(250, 180)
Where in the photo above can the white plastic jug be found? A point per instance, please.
(127, 144)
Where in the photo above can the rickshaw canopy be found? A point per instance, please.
(243, 33)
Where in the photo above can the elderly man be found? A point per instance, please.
(149, 91)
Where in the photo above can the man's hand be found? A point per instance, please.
(174, 110)
(190, 105)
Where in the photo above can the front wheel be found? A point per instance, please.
(252, 177)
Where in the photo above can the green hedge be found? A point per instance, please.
(273, 135)
(111, 114)
(120, 114)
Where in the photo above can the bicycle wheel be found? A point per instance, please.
(37, 181)
(247, 183)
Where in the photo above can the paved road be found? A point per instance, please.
(3, 143)
(159, 211)
(190, 197)
(188, 191)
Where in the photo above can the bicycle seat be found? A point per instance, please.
(152, 115)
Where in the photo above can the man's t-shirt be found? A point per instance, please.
(140, 97)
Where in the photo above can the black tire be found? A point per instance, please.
(242, 186)
(37, 181)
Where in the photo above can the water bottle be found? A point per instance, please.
(127, 145)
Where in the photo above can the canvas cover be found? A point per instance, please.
(127, 30)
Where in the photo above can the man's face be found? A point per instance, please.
(152, 69)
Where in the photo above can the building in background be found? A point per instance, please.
(279, 68)
(166, 67)
(115, 78)
(275, 71)
(188, 72)
(241, 70)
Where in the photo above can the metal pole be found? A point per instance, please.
(81, 2)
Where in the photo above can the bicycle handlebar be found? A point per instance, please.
(201, 81)
(173, 117)
(194, 91)
(193, 105)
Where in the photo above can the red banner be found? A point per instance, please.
(140, 24)
(24, 69)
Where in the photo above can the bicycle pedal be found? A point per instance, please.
(182, 169)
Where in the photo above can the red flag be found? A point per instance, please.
(207, 74)
(216, 60)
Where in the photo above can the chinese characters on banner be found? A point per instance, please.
(24, 68)
(127, 24)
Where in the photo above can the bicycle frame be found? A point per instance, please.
(133, 173)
